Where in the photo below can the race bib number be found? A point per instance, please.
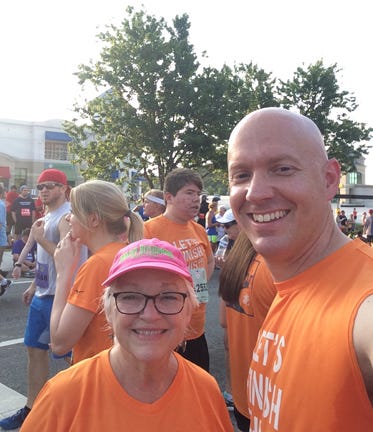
(200, 284)
(41, 275)
(25, 212)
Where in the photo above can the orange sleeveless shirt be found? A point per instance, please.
(304, 375)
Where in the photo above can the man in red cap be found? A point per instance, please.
(47, 232)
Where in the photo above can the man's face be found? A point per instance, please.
(25, 192)
(185, 204)
(278, 185)
(52, 195)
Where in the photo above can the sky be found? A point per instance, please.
(44, 41)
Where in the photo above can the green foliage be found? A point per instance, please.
(159, 110)
(316, 94)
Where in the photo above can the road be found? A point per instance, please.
(13, 357)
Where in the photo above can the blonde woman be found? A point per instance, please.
(100, 219)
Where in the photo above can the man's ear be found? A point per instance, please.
(168, 197)
(333, 178)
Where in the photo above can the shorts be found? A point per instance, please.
(19, 227)
(213, 238)
(37, 333)
(243, 423)
(197, 352)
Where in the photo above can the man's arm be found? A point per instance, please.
(363, 343)
(37, 231)
(210, 266)
(17, 270)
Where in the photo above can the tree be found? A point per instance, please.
(141, 121)
(315, 93)
(157, 112)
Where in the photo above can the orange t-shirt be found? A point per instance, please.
(304, 375)
(191, 239)
(86, 293)
(243, 324)
(89, 397)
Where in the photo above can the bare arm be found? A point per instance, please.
(37, 231)
(363, 343)
(29, 293)
(210, 265)
(22, 256)
(68, 322)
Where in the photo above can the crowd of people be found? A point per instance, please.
(122, 293)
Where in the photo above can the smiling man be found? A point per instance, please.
(312, 365)
(176, 225)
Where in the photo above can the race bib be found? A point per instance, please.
(200, 284)
(25, 212)
(41, 275)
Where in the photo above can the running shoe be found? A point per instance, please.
(5, 286)
(228, 400)
(16, 420)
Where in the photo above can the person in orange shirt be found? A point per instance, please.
(154, 203)
(312, 366)
(247, 290)
(176, 225)
(141, 383)
(101, 220)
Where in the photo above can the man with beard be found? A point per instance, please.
(47, 232)
(182, 190)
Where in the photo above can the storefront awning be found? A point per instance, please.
(4, 172)
(57, 136)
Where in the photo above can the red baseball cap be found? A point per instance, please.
(53, 175)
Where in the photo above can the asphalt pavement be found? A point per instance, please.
(13, 355)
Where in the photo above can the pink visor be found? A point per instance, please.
(148, 254)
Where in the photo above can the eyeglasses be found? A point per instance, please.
(229, 224)
(48, 186)
(166, 303)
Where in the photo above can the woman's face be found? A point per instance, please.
(149, 336)
(76, 228)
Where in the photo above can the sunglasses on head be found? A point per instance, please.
(229, 224)
(48, 186)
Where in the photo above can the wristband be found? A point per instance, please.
(17, 265)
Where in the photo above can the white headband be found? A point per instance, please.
(155, 199)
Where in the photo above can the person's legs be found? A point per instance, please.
(197, 352)
(37, 372)
(4, 282)
(37, 342)
(243, 423)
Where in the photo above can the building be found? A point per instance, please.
(27, 148)
(353, 192)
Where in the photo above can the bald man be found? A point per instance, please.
(312, 368)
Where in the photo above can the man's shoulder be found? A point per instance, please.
(155, 224)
